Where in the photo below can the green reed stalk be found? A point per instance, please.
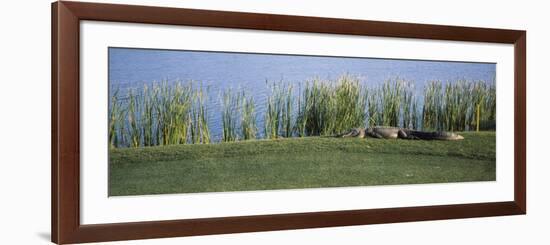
(391, 102)
(158, 114)
(309, 116)
(414, 114)
(312, 108)
(488, 118)
(349, 104)
(116, 114)
(331, 107)
(328, 108)
(287, 123)
(248, 117)
(274, 110)
(147, 116)
(230, 111)
(177, 114)
(408, 105)
(484, 97)
(374, 117)
(477, 98)
(162, 110)
(450, 108)
(173, 107)
(457, 106)
(200, 133)
(134, 129)
(431, 111)
(301, 119)
(305, 121)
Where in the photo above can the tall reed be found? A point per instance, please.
(230, 116)
(482, 116)
(116, 120)
(327, 108)
(433, 104)
(374, 117)
(302, 119)
(287, 119)
(163, 114)
(488, 118)
(274, 111)
(415, 117)
(248, 117)
(200, 133)
(408, 106)
(391, 96)
(390, 104)
(458, 106)
(316, 108)
(176, 113)
(173, 107)
(147, 115)
(134, 130)
(350, 103)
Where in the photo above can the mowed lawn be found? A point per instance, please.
(311, 162)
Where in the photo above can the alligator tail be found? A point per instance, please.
(434, 135)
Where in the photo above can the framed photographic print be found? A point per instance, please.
(177, 122)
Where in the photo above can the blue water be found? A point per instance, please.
(132, 68)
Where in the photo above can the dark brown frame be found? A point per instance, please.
(66, 227)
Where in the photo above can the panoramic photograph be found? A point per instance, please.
(184, 121)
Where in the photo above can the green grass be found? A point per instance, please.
(308, 162)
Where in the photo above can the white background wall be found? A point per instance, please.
(25, 121)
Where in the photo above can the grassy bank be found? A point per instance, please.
(299, 163)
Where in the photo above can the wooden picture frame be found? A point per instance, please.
(65, 178)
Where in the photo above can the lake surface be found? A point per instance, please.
(217, 71)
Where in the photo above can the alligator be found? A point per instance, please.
(354, 132)
(400, 133)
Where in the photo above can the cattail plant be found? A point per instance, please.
(301, 119)
(414, 114)
(314, 109)
(287, 122)
(408, 105)
(172, 108)
(176, 113)
(248, 117)
(134, 125)
(391, 102)
(230, 111)
(458, 106)
(490, 107)
(116, 120)
(374, 117)
(200, 133)
(327, 108)
(350, 103)
(274, 110)
(431, 111)
(147, 116)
